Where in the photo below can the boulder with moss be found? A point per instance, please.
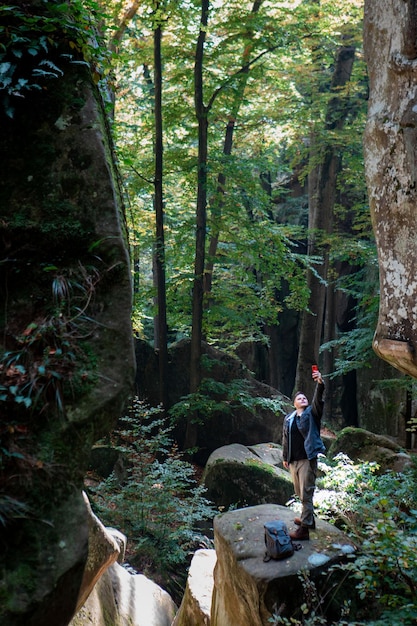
(244, 476)
(362, 445)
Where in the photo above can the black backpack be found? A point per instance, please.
(278, 542)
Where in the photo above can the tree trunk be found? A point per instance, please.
(201, 219)
(391, 171)
(217, 208)
(322, 193)
(328, 357)
(161, 343)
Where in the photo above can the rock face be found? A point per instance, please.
(249, 591)
(391, 172)
(66, 349)
(243, 476)
(123, 599)
(381, 409)
(235, 423)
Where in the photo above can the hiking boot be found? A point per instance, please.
(300, 534)
(297, 522)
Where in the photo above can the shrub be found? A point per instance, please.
(380, 513)
(160, 504)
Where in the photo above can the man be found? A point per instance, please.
(301, 444)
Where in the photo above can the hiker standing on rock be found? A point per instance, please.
(301, 444)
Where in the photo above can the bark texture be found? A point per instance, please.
(322, 184)
(391, 171)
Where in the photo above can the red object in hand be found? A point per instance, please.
(314, 368)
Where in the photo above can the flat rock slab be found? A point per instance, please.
(268, 453)
(246, 589)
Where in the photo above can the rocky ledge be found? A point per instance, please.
(248, 590)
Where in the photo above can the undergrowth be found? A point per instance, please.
(158, 505)
(379, 513)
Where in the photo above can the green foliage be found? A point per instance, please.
(33, 373)
(217, 397)
(50, 360)
(340, 485)
(354, 347)
(38, 42)
(262, 70)
(159, 505)
(380, 513)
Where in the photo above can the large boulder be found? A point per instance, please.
(232, 421)
(361, 445)
(103, 551)
(196, 604)
(244, 476)
(123, 599)
(249, 591)
(109, 593)
(66, 347)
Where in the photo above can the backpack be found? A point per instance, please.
(278, 542)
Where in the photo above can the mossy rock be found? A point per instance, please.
(67, 297)
(105, 460)
(362, 445)
(236, 476)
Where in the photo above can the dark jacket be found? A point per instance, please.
(308, 423)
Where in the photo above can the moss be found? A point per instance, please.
(246, 484)
(260, 466)
(20, 584)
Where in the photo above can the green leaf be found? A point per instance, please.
(5, 67)
(23, 400)
(50, 268)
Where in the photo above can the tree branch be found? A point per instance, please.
(241, 70)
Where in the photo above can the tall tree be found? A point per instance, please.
(325, 161)
(160, 342)
(241, 79)
(201, 220)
